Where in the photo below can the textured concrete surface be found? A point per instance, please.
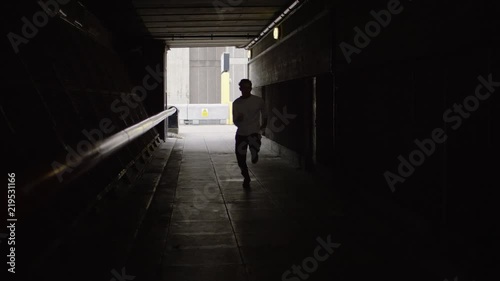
(189, 218)
(219, 231)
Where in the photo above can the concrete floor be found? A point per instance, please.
(219, 231)
(188, 218)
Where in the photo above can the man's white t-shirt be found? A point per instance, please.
(251, 108)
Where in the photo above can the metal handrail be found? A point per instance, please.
(118, 140)
(105, 148)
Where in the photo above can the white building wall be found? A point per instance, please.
(179, 65)
(237, 70)
(177, 86)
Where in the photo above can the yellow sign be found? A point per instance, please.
(224, 95)
(204, 112)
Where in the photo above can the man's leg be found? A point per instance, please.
(241, 156)
(255, 143)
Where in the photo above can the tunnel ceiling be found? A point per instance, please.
(207, 23)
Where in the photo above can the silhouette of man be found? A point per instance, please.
(247, 112)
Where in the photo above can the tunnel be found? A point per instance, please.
(377, 160)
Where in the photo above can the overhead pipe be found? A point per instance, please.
(211, 36)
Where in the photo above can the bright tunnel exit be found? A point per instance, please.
(202, 83)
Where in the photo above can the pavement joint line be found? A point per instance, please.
(227, 212)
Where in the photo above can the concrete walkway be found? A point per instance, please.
(188, 218)
(202, 225)
(290, 225)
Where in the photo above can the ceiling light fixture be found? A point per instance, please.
(276, 33)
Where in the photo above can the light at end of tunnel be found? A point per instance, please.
(276, 33)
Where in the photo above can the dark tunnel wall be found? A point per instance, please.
(63, 90)
(141, 55)
(289, 73)
(397, 90)
(384, 96)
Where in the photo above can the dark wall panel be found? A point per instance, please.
(392, 92)
(63, 81)
(396, 90)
